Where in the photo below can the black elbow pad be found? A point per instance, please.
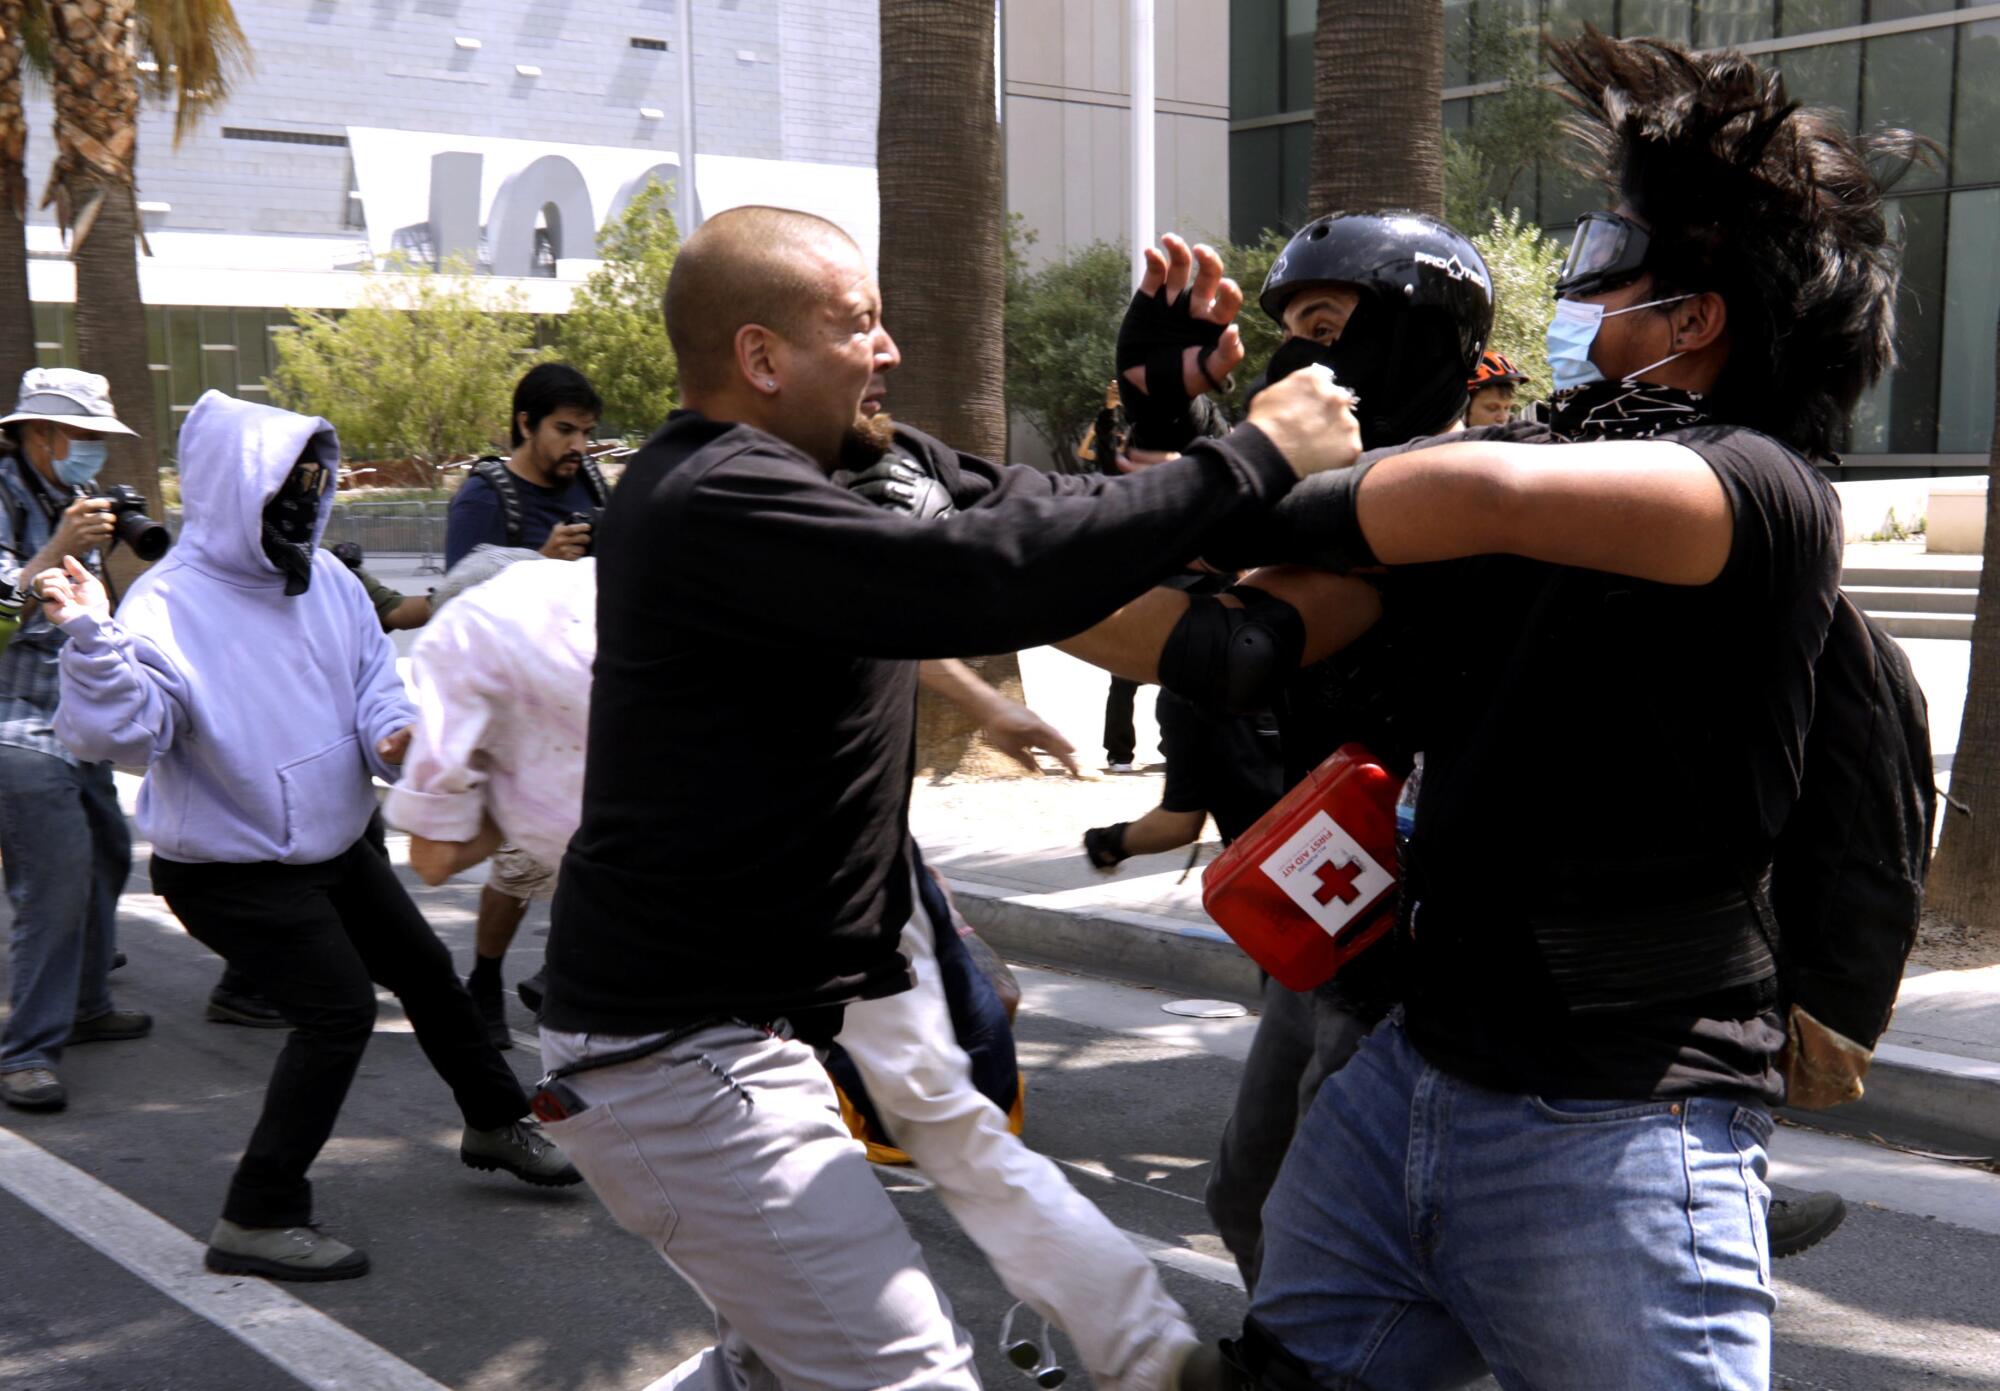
(1233, 660)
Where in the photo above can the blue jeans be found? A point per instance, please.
(67, 852)
(1424, 1230)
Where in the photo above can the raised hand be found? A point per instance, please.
(1212, 301)
(71, 592)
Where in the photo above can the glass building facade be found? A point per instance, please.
(1927, 65)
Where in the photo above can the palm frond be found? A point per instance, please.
(199, 50)
(35, 37)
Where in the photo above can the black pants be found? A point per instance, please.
(1120, 739)
(237, 981)
(1229, 766)
(317, 939)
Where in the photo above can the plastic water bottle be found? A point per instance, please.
(1406, 810)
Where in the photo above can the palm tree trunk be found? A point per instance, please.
(937, 154)
(937, 151)
(1964, 883)
(97, 135)
(1378, 127)
(17, 317)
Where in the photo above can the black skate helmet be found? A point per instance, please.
(1416, 336)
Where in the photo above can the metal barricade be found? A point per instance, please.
(390, 528)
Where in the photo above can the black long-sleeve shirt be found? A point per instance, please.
(752, 722)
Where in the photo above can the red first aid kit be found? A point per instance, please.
(1313, 883)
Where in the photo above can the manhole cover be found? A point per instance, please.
(1205, 1009)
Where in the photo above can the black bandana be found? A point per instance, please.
(289, 521)
(1408, 379)
(1622, 411)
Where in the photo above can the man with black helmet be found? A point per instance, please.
(1551, 1162)
(1399, 306)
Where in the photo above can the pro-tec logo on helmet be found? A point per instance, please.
(1452, 267)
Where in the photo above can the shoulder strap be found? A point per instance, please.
(593, 482)
(494, 471)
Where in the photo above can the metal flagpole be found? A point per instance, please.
(1140, 26)
(687, 207)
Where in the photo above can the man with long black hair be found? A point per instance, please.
(531, 498)
(1550, 1163)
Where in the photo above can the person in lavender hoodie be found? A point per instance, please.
(248, 675)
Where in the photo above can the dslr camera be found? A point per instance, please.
(148, 539)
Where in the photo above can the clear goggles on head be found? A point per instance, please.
(1606, 252)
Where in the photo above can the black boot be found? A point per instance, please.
(1797, 1225)
(487, 992)
(1105, 845)
(235, 1001)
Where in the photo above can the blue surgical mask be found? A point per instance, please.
(80, 466)
(1574, 329)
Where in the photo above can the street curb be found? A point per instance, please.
(1140, 948)
(1913, 1095)
(1936, 1101)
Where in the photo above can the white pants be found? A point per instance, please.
(1049, 1244)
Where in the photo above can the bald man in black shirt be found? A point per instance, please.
(730, 893)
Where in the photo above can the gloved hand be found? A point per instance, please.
(348, 553)
(1177, 340)
(1155, 336)
(901, 484)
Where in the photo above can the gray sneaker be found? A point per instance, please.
(33, 1089)
(281, 1253)
(522, 1150)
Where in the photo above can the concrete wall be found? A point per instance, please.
(1953, 510)
(1956, 524)
(775, 79)
(1068, 105)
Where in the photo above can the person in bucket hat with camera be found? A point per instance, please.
(62, 836)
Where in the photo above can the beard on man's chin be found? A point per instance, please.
(866, 441)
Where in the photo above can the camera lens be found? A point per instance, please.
(147, 538)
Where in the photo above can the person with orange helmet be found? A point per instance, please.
(1491, 387)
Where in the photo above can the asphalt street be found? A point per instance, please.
(484, 1284)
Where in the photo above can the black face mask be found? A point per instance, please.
(1622, 411)
(1373, 358)
(290, 519)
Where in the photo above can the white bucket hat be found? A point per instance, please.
(65, 396)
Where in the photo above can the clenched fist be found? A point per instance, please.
(1310, 418)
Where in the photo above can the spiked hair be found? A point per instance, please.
(1772, 205)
